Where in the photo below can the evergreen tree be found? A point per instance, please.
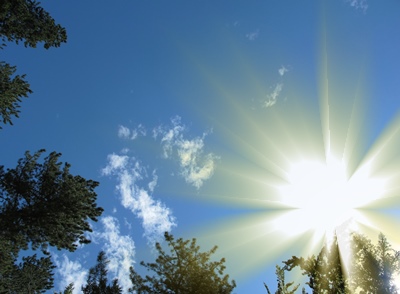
(283, 288)
(325, 271)
(68, 290)
(41, 205)
(12, 89)
(23, 21)
(374, 266)
(97, 279)
(183, 270)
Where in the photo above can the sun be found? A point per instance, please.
(301, 171)
(323, 196)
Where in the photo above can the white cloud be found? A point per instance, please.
(70, 272)
(155, 216)
(272, 97)
(126, 133)
(169, 136)
(282, 70)
(115, 162)
(123, 132)
(195, 166)
(359, 4)
(253, 35)
(119, 249)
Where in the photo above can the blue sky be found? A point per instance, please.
(189, 114)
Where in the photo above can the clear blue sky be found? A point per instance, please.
(189, 112)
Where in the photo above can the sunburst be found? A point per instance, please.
(300, 170)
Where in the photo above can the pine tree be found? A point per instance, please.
(183, 270)
(282, 288)
(374, 266)
(23, 21)
(41, 205)
(97, 279)
(325, 271)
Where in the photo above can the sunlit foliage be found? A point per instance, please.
(184, 269)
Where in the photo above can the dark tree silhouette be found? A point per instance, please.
(374, 266)
(23, 21)
(283, 287)
(325, 271)
(183, 270)
(97, 282)
(41, 205)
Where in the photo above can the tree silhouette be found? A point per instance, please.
(97, 279)
(41, 205)
(183, 270)
(26, 21)
(374, 266)
(282, 288)
(325, 271)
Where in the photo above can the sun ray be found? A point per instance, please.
(297, 173)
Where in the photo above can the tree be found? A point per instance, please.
(26, 21)
(283, 288)
(374, 266)
(97, 279)
(183, 270)
(68, 290)
(12, 89)
(41, 205)
(325, 271)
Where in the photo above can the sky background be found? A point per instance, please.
(189, 113)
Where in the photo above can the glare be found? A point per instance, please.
(324, 197)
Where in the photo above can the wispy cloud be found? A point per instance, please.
(155, 216)
(253, 35)
(195, 166)
(359, 4)
(119, 249)
(132, 134)
(272, 97)
(282, 70)
(70, 272)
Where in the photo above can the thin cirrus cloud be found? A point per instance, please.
(70, 272)
(131, 134)
(119, 249)
(156, 218)
(273, 96)
(282, 70)
(359, 4)
(252, 36)
(195, 166)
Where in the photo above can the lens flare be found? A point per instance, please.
(293, 174)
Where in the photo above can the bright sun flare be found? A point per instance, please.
(323, 196)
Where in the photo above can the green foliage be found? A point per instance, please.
(32, 275)
(374, 265)
(68, 290)
(325, 271)
(41, 205)
(25, 20)
(183, 270)
(283, 288)
(12, 89)
(372, 268)
(97, 279)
